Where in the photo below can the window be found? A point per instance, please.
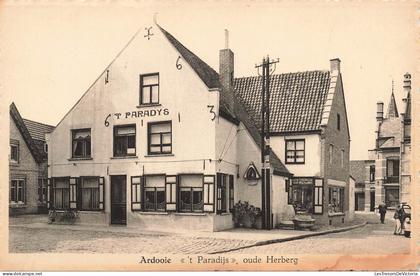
(295, 151)
(149, 89)
(81, 143)
(14, 153)
(336, 200)
(231, 193)
(331, 152)
(392, 196)
(221, 193)
(89, 193)
(191, 193)
(61, 193)
(17, 191)
(42, 190)
(160, 138)
(338, 122)
(372, 173)
(154, 193)
(342, 158)
(392, 170)
(301, 197)
(124, 140)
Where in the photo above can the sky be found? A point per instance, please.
(51, 53)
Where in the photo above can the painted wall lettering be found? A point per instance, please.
(178, 65)
(212, 111)
(136, 114)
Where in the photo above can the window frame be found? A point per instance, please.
(84, 146)
(116, 127)
(62, 196)
(150, 103)
(294, 151)
(372, 173)
(145, 188)
(395, 177)
(16, 191)
(387, 189)
(15, 145)
(149, 134)
(341, 198)
(80, 193)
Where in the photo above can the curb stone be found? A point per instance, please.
(299, 237)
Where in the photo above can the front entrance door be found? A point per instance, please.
(372, 201)
(118, 199)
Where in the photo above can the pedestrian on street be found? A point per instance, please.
(397, 219)
(382, 211)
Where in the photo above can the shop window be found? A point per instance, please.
(336, 200)
(295, 151)
(42, 190)
(191, 193)
(81, 143)
(124, 140)
(221, 193)
(160, 138)
(301, 197)
(17, 191)
(154, 194)
(89, 193)
(392, 170)
(61, 193)
(14, 153)
(372, 173)
(392, 196)
(149, 89)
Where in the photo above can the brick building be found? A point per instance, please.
(386, 177)
(27, 165)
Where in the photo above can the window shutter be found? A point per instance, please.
(49, 197)
(73, 193)
(231, 193)
(136, 193)
(208, 193)
(171, 192)
(219, 193)
(318, 196)
(101, 193)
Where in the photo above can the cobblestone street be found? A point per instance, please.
(40, 237)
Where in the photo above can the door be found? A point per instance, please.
(118, 199)
(372, 201)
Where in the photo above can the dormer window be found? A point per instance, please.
(149, 89)
(252, 173)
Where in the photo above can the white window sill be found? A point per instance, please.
(149, 105)
(337, 214)
(154, 213)
(125, 157)
(160, 155)
(191, 214)
(80, 158)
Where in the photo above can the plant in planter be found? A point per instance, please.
(245, 214)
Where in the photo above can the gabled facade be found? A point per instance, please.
(27, 165)
(310, 134)
(157, 141)
(392, 151)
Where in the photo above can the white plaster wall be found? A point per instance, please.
(312, 166)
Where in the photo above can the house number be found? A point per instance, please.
(212, 111)
(178, 65)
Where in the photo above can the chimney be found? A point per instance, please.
(335, 64)
(379, 111)
(226, 74)
(407, 82)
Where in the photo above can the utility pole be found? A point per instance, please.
(268, 67)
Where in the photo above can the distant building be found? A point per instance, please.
(27, 165)
(387, 172)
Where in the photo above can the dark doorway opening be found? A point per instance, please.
(118, 199)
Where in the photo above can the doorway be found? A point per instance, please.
(118, 199)
(372, 201)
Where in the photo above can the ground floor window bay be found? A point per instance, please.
(183, 193)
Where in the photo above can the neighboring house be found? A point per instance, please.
(386, 174)
(310, 134)
(363, 173)
(27, 165)
(158, 142)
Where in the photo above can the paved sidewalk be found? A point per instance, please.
(113, 239)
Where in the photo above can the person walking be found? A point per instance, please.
(382, 211)
(397, 219)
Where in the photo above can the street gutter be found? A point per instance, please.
(299, 237)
